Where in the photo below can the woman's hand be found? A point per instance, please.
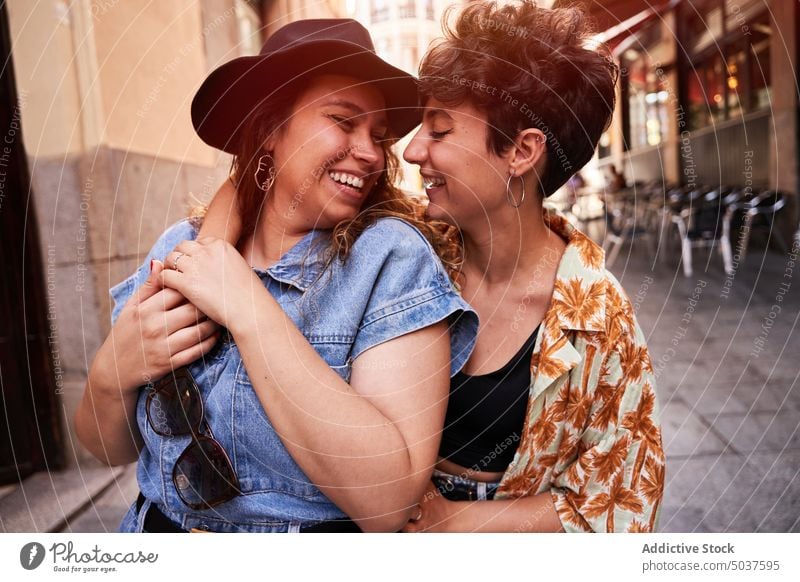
(213, 276)
(435, 513)
(157, 331)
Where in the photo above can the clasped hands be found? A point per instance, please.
(174, 318)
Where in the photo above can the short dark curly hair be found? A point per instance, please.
(527, 66)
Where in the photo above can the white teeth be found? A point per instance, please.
(347, 179)
(433, 182)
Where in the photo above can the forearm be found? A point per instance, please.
(222, 218)
(105, 421)
(345, 445)
(524, 514)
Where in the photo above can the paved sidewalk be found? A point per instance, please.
(725, 351)
(727, 369)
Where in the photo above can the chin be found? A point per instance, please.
(330, 220)
(435, 212)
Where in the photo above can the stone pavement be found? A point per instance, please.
(727, 365)
(725, 352)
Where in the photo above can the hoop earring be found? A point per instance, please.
(510, 196)
(265, 183)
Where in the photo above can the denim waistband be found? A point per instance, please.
(156, 522)
(458, 488)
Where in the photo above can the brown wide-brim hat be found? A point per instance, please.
(306, 47)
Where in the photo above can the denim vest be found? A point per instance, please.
(391, 284)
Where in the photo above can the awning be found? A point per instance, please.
(618, 19)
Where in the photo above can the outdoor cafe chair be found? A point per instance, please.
(756, 212)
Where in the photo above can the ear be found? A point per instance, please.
(269, 144)
(530, 147)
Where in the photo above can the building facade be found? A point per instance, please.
(100, 92)
(708, 95)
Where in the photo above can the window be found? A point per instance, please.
(706, 92)
(648, 110)
(429, 13)
(380, 11)
(715, 87)
(410, 52)
(249, 28)
(736, 81)
(696, 99)
(730, 77)
(408, 9)
(383, 46)
(760, 78)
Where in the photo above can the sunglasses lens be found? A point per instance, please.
(174, 406)
(204, 476)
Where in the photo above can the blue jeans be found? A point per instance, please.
(457, 488)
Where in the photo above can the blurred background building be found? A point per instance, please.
(708, 94)
(98, 157)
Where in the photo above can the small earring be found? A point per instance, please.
(510, 196)
(265, 164)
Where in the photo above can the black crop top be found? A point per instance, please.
(485, 414)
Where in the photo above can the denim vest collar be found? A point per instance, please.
(302, 264)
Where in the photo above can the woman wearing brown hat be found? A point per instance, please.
(313, 411)
(553, 423)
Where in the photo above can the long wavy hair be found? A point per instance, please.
(384, 200)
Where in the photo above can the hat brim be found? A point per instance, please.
(236, 89)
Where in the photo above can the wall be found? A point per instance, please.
(105, 89)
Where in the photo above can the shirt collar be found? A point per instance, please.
(579, 297)
(302, 264)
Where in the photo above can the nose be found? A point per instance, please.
(366, 150)
(416, 151)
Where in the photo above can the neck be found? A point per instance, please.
(507, 244)
(275, 233)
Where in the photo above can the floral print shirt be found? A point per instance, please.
(591, 435)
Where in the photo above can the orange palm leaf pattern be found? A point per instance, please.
(609, 463)
(640, 422)
(606, 503)
(652, 484)
(548, 364)
(593, 437)
(577, 303)
(589, 254)
(638, 527)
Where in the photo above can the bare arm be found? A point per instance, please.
(105, 421)
(369, 445)
(536, 513)
(155, 323)
(222, 217)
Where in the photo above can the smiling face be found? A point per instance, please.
(328, 154)
(464, 180)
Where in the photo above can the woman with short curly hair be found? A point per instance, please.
(552, 425)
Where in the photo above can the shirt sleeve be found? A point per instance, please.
(411, 291)
(616, 483)
(122, 292)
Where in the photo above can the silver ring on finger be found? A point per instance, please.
(175, 261)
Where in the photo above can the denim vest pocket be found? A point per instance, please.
(259, 457)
